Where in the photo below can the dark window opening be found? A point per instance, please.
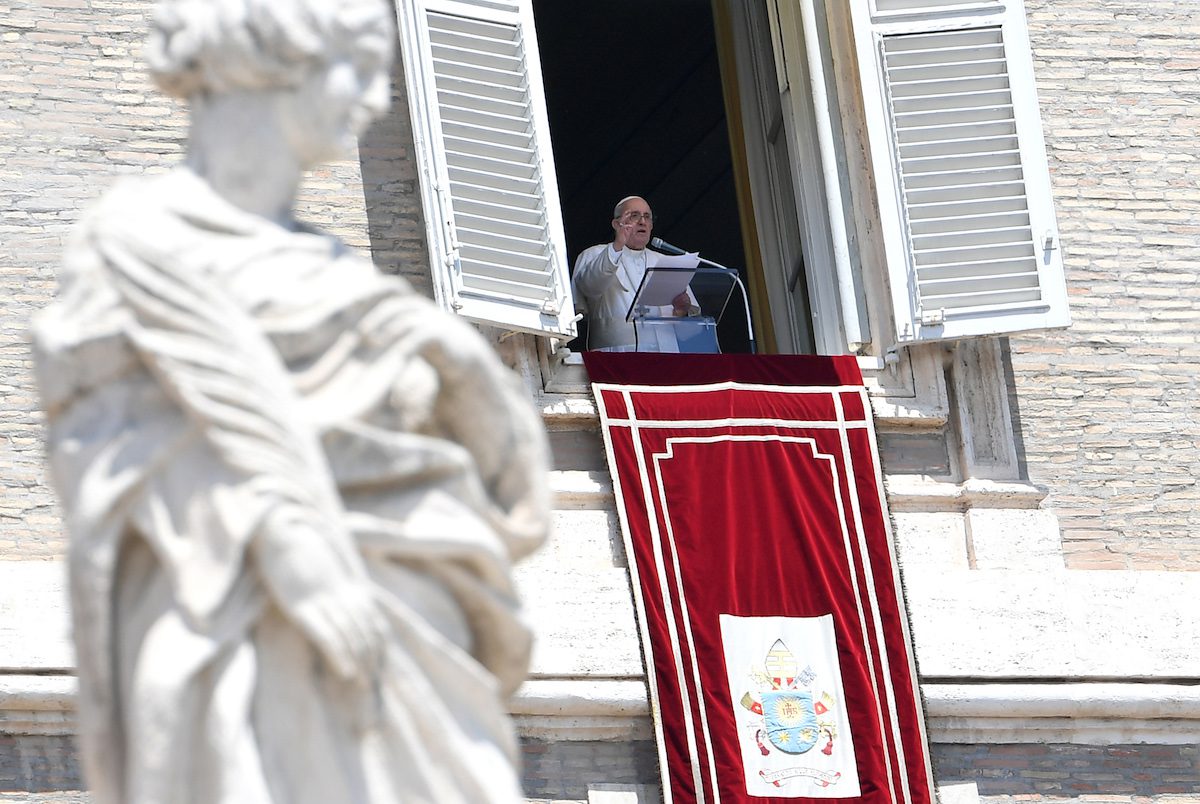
(636, 107)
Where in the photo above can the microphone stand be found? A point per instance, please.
(736, 277)
(667, 248)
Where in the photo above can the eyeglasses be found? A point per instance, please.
(630, 217)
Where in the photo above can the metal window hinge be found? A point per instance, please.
(559, 351)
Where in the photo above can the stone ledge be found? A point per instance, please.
(569, 408)
(1066, 730)
(998, 714)
(570, 402)
(619, 709)
(48, 693)
(1080, 713)
(37, 704)
(1104, 699)
(909, 494)
(1039, 662)
(581, 696)
(557, 728)
(577, 490)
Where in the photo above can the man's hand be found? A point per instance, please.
(682, 305)
(622, 230)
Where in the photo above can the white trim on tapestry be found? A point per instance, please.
(727, 385)
(669, 609)
(658, 458)
(845, 529)
(881, 490)
(889, 721)
(687, 623)
(667, 425)
(869, 578)
(635, 578)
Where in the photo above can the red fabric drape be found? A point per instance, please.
(768, 597)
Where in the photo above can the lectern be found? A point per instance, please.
(709, 286)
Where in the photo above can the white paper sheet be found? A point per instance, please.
(660, 288)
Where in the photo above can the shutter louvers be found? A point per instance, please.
(956, 139)
(972, 240)
(495, 229)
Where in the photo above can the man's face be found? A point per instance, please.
(636, 223)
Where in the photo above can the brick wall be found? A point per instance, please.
(552, 771)
(562, 771)
(1116, 773)
(76, 112)
(36, 763)
(1005, 774)
(1108, 407)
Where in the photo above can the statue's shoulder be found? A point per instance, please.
(129, 201)
(126, 219)
(78, 340)
(164, 209)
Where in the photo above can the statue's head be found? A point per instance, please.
(326, 61)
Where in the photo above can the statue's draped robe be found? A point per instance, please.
(205, 371)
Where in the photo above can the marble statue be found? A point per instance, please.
(294, 487)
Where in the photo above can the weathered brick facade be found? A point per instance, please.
(1099, 773)
(1107, 407)
(77, 113)
(1120, 774)
(1104, 408)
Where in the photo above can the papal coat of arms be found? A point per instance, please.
(784, 699)
(789, 707)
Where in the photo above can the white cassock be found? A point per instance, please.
(604, 285)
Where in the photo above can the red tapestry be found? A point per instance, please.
(776, 644)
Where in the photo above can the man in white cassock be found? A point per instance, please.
(607, 277)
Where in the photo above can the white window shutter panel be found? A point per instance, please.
(486, 168)
(960, 167)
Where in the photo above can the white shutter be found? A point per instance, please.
(960, 167)
(486, 168)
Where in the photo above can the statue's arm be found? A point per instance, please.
(214, 362)
(484, 408)
(335, 609)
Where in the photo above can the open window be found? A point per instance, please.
(726, 115)
(636, 106)
(789, 147)
(632, 93)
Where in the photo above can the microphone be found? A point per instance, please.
(658, 244)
